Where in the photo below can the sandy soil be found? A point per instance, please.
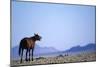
(83, 57)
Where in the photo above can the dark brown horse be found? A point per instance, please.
(28, 44)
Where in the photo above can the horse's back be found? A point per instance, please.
(27, 43)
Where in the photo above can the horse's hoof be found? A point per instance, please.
(29, 59)
(20, 62)
(32, 59)
(26, 59)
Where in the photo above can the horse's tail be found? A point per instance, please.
(20, 49)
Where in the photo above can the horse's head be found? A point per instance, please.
(37, 37)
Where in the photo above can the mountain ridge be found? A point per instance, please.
(38, 51)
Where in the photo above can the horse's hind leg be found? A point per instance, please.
(26, 54)
(29, 54)
(21, 56)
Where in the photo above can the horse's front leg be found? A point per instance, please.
(32, 53)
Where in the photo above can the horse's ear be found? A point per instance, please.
(34, 34)
(37, 33)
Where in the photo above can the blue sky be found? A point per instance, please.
(61, 26)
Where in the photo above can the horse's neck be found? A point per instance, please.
(33, 39)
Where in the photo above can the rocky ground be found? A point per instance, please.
(83, 57)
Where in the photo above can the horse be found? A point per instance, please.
(28, 43)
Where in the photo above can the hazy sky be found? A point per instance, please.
(61, 26)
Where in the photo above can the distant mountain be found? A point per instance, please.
(88, 47)
(38, 51)
(44, 50)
